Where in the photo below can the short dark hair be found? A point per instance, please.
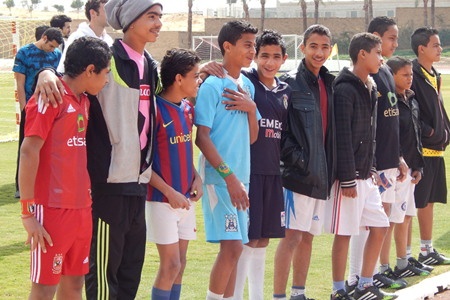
(92, 4)
(232, 31)
(421, 37)
(398, 62)
(270, 37)
(318, 29)
(86, 51)
(362, 41)
(60, 21)
(177, 61)
(39, 31)
(380, 25)
(54, 34)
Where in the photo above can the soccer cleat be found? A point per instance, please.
(300, 297)
(373, 293)
(350, 289)
(340, 295)
(389, 280)
(434, 258)
(419, 265)
(410, 270)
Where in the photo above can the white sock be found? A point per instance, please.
(213, 296)
(229, 298)
(408, 252)
(375, 270)
(426, 247)
(256, 274)
(296, 291)
(357, 243)
(242, 272)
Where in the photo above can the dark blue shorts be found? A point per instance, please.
(266, 207)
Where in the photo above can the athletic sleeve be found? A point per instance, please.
(206, 105)
(20, 62)
(39, 118)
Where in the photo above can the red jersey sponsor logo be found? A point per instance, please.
(76, 142)
(145, 92)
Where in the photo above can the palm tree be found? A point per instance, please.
(425, 13)
(245, 7)
(189, 30)
(370, 8)
(432, 13)
(304, 16)
(316, 11)
(368, 12)
(9, 4)
(263, 14)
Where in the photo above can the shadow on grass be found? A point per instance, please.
(7, 194)
(443, 242)
(13, 249)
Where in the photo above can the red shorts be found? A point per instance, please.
(71, 233)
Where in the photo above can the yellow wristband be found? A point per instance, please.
(27, 206)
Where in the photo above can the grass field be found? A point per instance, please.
(14, 256)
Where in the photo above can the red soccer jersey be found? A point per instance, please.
(62, 179)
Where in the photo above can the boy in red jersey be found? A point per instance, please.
(56, 205)
(175, 184)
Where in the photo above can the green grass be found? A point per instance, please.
(7, 107)
(14, 256)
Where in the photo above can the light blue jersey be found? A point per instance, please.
(229, 128)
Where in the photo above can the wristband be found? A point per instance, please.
(224, 170)
(27, 206)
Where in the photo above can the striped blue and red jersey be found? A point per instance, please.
(173, 160)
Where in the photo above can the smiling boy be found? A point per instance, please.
(227, 123)
(309, 156)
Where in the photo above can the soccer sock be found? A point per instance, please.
(408, 252)
(363, 281)
(213, 296)
(297, 290)
(175, 292)
(158, 294)
(256, 274)
(426, 247)
(402, 262)
(338, 285)
(229, 298)
(383, 268)
(242, 272)
(355, 257)
(279, 297)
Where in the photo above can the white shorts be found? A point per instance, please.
(404, 200)
(303, 213)
(344, 215)
(387, 188)
(166, 225)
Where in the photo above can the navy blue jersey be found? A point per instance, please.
(272, 105)
(388, 142)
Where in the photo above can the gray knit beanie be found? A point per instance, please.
(122, 13)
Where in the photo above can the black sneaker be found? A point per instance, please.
(350, 289)
(419, 265)
(389, 280)
(373, 293)
(434, 258)
(300, 297)
(340, 295)
(410, 270)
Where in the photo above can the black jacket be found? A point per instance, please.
(432, 112)
(355, 106)
(309, 167)
(410, 131)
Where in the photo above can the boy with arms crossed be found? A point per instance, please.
(266, 192)
(53, 177)
(227, 122)
(309, 156)
(175, 184)
(356, 201)
(435, 138)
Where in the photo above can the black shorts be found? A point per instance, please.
(266, 207)
(433, 186)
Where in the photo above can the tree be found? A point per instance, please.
(304, 16)
(368, 12)
(245, 7)
(59, 8)
(432, 13)
(316, 11)
(30, 5)
(425, 13)
(9, 4)
(263, 14)
(189, 30)
(77, 4)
